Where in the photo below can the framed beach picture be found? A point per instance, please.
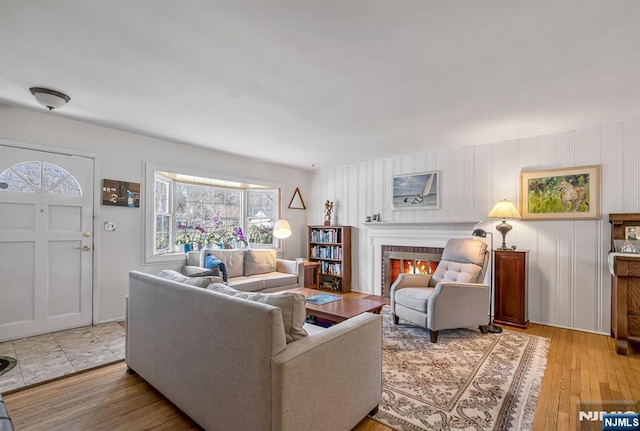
(561, 194)
(416, 191)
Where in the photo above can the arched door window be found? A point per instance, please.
(31, 176)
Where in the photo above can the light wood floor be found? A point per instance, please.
(580, 366)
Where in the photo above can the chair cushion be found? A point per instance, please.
(415, 298)
(462, 261)
(292, 306)
(259, 261)
(455, 271)
(465, 251)
(247, 284)
(277, 279)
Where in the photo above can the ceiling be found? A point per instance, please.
(322, 83)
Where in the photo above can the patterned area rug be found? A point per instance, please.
(466, 381)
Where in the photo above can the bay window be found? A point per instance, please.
(190, 212)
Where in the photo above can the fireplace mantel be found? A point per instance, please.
(461, 225)
(425, 234)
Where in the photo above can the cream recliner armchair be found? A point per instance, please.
(453, 297)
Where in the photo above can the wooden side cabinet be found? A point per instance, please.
(312, 275)
(625, 283)
(510, 295)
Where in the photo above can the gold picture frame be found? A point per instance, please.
(561, 194)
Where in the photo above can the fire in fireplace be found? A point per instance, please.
(398, 260)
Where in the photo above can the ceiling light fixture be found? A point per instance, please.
(50, 99)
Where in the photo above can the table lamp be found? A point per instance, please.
(504, 210)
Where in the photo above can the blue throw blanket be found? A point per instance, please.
(211, 262)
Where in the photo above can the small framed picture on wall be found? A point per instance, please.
(120, 193)
(416, 191)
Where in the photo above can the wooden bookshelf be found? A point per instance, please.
(330, 246)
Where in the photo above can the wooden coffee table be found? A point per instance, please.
(342, 309)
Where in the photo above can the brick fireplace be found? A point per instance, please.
(400, 259)
(425, 238)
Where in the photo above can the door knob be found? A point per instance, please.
(86, 234)
(86, 248)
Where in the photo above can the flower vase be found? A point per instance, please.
(187, 247)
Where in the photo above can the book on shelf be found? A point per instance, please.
(324, 235)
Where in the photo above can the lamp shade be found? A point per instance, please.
(504, 209)
(479, 233)
(48, 98)
(282, 229)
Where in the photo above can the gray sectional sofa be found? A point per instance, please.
(251, 270)
(224, 359)
(5, 420)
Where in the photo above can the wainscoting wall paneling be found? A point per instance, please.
(569, 281)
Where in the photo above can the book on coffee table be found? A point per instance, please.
(323, 298)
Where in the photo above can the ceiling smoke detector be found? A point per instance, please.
(50, 99)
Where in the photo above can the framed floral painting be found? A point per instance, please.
(561, 194)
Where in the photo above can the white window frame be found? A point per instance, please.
(170, 206)
(148, 239)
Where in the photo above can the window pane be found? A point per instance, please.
(207, 214)
(260, 215)
(30, 171)
(163, 234)
(161, 196)
(26, 177)
(52, 174)
(69, 187)
(15, 183)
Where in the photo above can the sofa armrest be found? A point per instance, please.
(411, 280)
(407, 280)
(291, 267)
(190, 270)
(311, 376)
(454, 305)
(193, 258)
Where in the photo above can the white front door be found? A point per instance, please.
(46, 242)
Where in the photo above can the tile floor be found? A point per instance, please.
(48, 356)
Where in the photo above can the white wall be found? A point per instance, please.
(122, 156)
(569, 283)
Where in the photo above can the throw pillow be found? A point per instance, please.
(176, 276)
(290, 304)
(232, 259)
(259, 262)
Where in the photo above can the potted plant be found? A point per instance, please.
(184, 238)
